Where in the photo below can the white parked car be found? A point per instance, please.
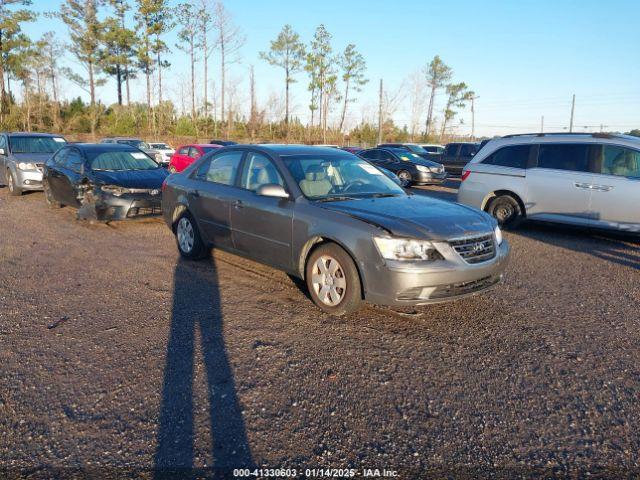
(165, 150)
(590, 180)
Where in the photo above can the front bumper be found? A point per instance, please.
(111, 207)
(28, 179)
(429, 177)
(421, 283)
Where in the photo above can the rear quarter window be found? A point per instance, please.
(515, 156)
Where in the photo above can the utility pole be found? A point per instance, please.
(473, 117)
(380, 115)
(573, 107)
(542, 124)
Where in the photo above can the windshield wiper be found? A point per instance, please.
(382, 195)
(336, 198)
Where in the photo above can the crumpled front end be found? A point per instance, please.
(108, 205)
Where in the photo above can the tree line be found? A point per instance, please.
(127, 39)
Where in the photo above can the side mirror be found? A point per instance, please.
(272, 190)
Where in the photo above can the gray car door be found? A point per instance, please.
(211, 194)
(261, 226)
(559, 185)
(615, 195)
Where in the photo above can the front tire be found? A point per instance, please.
(333, 280)
(14, 190)
(188, 239)
(49, 198)
(506, 210)
(405, 178)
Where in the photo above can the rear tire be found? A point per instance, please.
(405, 178)
(188, 239)
(506, 210)
(49, 198)
(333, 280)
(14, 190)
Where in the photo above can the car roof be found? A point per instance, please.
(104, 147)
(285, 150)
(32, 134)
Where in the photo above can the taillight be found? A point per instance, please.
(164, 185)
(465, 174)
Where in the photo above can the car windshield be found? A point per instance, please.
(119, 161)
(135, 143)
(336, 177)
(416, 149)
(34, 144)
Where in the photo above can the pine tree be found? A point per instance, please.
(353, 67)
(458, 95)
(119, 48)
(189, 43)
(437, 74)
(11, 40)
(287, 52)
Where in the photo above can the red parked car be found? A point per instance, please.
(187, 154)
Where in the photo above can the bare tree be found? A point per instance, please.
(205, 25)
(229, 41)
(188, 43)
(417, 100)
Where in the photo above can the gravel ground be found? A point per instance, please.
(117, 357)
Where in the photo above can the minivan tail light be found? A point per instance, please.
(465, 174)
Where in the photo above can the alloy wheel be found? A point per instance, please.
(328, 280)
(186, 235)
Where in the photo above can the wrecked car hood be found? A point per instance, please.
(416, 216)
(148, 179)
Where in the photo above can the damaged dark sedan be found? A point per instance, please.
(336, 221)
(104, 181)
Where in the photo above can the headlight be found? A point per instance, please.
(423, 169)
(406, 249)
(498, 233)
(27, 166)
(437, 169)
(115, 190)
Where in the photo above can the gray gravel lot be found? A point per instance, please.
(116, 355)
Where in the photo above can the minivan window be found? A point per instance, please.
(564, 156)
(451, 150)
(514, 156)
(467, 150)
(620, 161)
(220, 169)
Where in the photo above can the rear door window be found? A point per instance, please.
(221, 169)
(514, 156)
(564, 156)
(371, 154)
(620, 161)
(183, 151)
(259, 171)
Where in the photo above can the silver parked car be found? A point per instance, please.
(139, 144)
(335, 220)
(22, 156)
(590, 180)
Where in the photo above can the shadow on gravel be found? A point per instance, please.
(196, 305)
(611, 246)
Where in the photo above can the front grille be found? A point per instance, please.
(475, 249)
(464, 288)
(144, 211)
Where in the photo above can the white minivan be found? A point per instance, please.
(583, 179)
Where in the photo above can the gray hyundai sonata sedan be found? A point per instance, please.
(336, 221)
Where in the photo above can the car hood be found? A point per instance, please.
(31, 157)
(416, 216)
(151, 179)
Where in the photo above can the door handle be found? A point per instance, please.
(238, 204)
(603, 188)
(586, 186)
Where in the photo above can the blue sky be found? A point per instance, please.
(523, 59)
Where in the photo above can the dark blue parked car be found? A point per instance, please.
(104, 181)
